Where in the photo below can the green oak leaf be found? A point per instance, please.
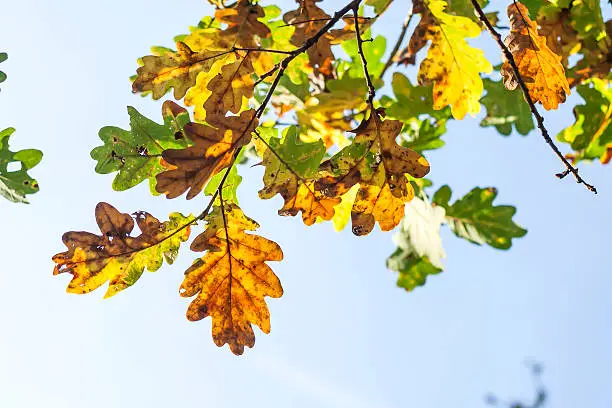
(379, 5)
(587, 19)
(15, 184)
(465, 8)
(475, 218)
(421, 135)
(410, 101)
(3, 57)
(505, 108)
(413, 271)
(136, 154)
(302, 158)
(591, 132)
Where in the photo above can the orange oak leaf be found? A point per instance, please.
(116, 256)
(308, 19)
(232, 278)
(379, 165)
(540, 68)
(212, 151)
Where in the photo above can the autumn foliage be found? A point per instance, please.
(340, 139)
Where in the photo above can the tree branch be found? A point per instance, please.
(398, 43)
(539, 119)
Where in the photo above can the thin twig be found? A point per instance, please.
(539, 119)
(398, 43)
(364, 61)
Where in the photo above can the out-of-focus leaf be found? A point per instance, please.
(413, 271)
(591, 134)
(475, 218)
(116, 256)
(16, 184)
(506, 108)
(231, 280)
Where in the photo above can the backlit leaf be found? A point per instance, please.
(231, 280)
(135, 155)
(539, 67)
(591, 134)
(379, 165)
(212, 151)
(116, 256)
(475, 218)
(308, 19)
(451, 64)
(290, 167)
(505, 109)
(16, 184)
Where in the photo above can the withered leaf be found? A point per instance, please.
(308, 19)
(539, 67)
(117, 256)
(212, 151)
(232, 278)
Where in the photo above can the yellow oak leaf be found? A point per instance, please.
(540, 68)
(177, 70)
(243, 23)
(231, 280)
(452, 64)
(212, 151)
(379, 165)
(116, 256)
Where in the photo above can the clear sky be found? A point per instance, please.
(342, 335)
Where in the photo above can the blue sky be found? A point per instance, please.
(342, 335)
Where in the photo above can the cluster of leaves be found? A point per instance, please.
(15, 182)
(269, 88)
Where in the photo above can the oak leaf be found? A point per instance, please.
(178, 70)
(291, 166)
(475, 218)
(3, 57)
(116, 256)
(136, 154)
(451, 64)
(379, 165)
(212, 151)
(15, 184)
(591, 133)
(505, 109)
(231, 280)
(540, 68)
(308, 19)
